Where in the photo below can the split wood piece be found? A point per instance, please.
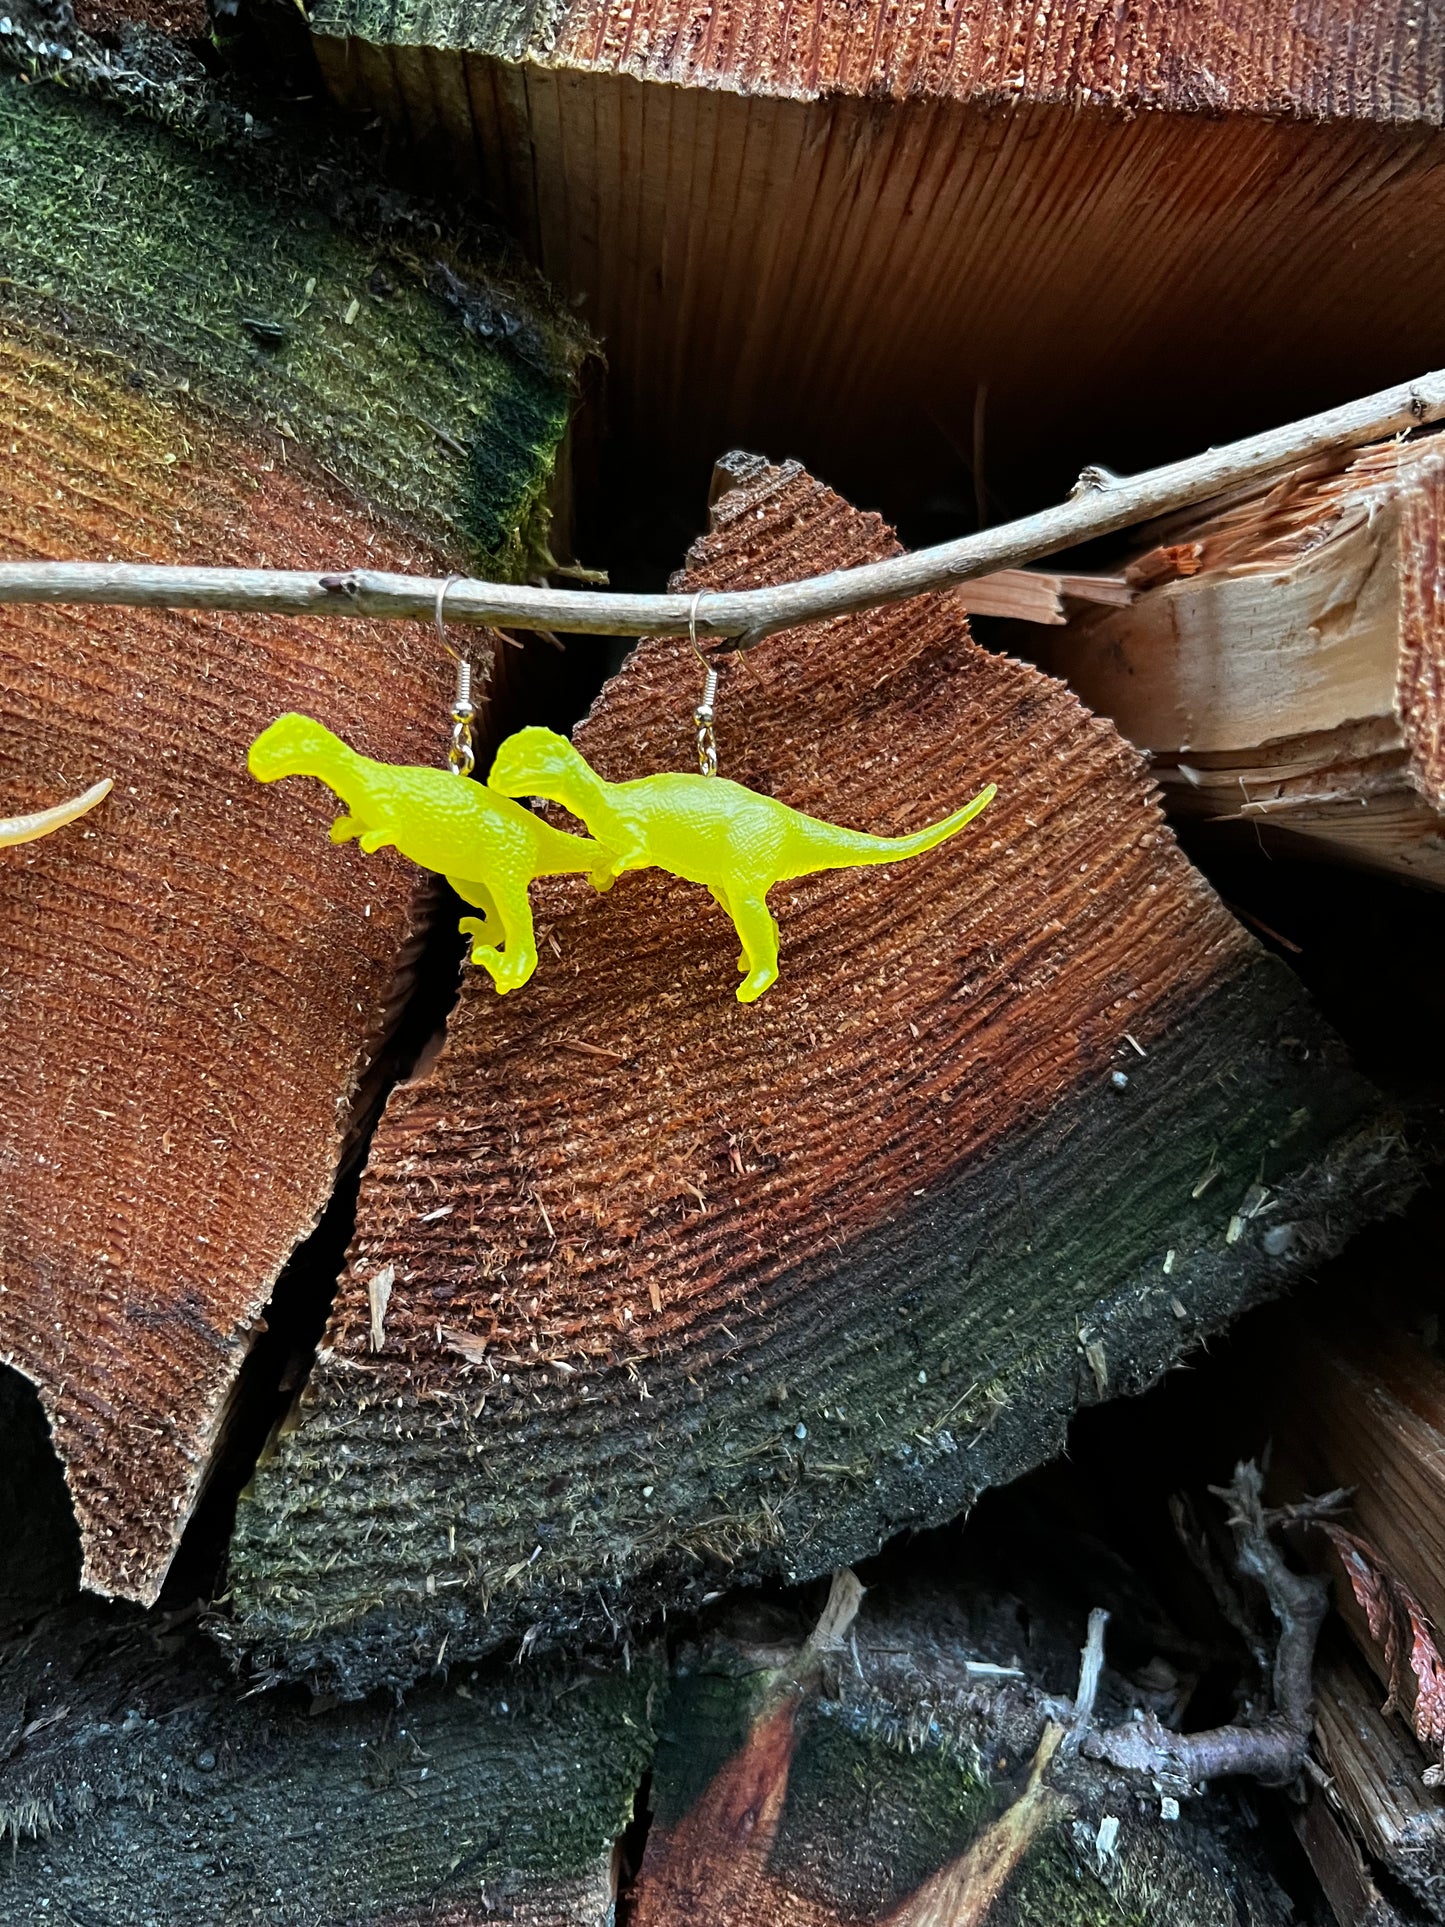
(195, 983)
(1339, 1866)
(138, 1786)
(687, 1292)
(1357, 1399)
(896, 1785)
(942, 239)
(1375, 1770)
(1282, 663)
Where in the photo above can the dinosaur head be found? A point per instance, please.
(536, 762)
(295, 746)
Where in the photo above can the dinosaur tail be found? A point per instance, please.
(845, 848)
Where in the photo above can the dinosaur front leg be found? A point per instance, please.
(720, 897)
(511, 965)
(487, 928)
(607, 872)
(758, 929)
(344, 828)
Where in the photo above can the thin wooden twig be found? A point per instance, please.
(1099, 504)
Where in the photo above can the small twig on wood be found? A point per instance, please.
(1091, 1670)
(1272, 1749)
(1104, 504)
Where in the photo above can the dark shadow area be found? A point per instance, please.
(41, 1561)
(628, 1853)
(1367, 948)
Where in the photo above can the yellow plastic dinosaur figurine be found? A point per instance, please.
(486, 846)
(29, 829)
(707, 830)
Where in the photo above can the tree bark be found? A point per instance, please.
(688, 1293)
(196, 985)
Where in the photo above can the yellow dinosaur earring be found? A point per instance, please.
(734, 841)
(487, 847)
(29, 829)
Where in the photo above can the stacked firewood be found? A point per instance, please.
(1280, 665)
(469, 1456)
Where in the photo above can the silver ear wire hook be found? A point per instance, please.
(461, 760)
(702, 716)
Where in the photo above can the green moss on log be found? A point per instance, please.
(147, 1790)
(895, 1776)
(439, 400)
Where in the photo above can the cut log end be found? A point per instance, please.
(196, 983)
(140, 1787)
(743, 1291)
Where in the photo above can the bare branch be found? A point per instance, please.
(1272, 1749)
(1100, 505)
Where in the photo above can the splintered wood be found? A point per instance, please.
(1284, 661)
(1357, 1402)
(1376, 1776)
(687, 1290)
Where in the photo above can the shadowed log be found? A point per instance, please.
(1281, 663)
(195, 984)
(1357, 1400)
(910, 1788)
(943, 241)
(1376, 1777)
(1334, 1855)
(136, 1787)
(687, 1292)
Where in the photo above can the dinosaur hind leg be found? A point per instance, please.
(487, 928)
(720, 897)
(758, 929)
(512, 963)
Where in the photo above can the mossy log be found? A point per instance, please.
(138, 1787)
(199, 361)
(688, 1292)
(1280, 662)
(899, 1781)
(910, 243)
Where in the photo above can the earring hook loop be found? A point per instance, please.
(461, 758)
(702, 716)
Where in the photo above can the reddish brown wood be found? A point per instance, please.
(908, 241)
(685, 1289)
(194, 980)
(1344, 59)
